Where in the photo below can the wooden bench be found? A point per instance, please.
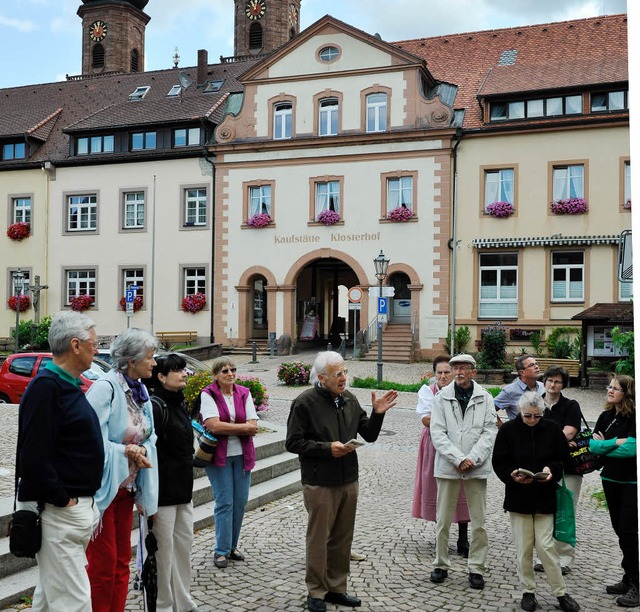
(572, 366)
(167, 339)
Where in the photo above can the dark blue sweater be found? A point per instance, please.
(61, 453)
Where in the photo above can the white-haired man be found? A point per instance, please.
(321, 421)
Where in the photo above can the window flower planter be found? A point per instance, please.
(194, 303)
(328, 217)
(18, 231)
(500, 210)
(627, 203)
(400, 214)
(81, 302)
(20, 303)
(259, 220)
(138, 302)
(569, 206)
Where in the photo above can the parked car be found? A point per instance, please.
(17, 371)
(193, 365)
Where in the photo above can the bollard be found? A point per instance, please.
(254, 352)
(329, 347)
(343, 347)
(272, 344)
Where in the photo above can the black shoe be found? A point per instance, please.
(619, 588)
(538, 567)
(631, 599)
(234, 555)
(529, 602)
(568, 603)
(316, 605)
(463, 549)
(476, 581)
(565, 569)
(220, 561)
(438, 575)
(342, 599)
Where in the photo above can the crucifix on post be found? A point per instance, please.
(35, 300)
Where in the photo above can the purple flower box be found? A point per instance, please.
(259, 220)
(400, 214)
(569, 206)
(328, 217)
(500, 210)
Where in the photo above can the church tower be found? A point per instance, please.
(113, 36)
(264, 25)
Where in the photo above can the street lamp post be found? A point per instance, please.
(18, 285)
(382, 265)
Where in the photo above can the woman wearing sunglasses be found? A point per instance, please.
(228, 412)
(614, 438)
(535, 444)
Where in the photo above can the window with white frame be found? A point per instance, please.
(282, 121)
(328, 117)
(26, 281)
(498, 186)
(133, 276)
(260, 200)
(498, 286)
(377, 112)
(82, 213)
(21, 210)
(195, 281)
(327, 197)
(568, 182)
(625, 292)
(626, 202)
(79, 282)
(195, 207)
(134, 210)
(567, 276)
(400, 193)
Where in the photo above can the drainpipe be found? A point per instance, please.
(453, 243)
(210, 160)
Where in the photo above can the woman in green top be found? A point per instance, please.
(614, 438)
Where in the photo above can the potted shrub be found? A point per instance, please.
(81, 302)
(18, 231)
(259, 220)
(500, 210)
(194, 302)
(400, 214)
(569, 206)
(294, 373)
(328, 217)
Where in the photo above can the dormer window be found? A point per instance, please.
(89, 145)
(608, 101)
(139, 93)
(537, 107)
(174, 91)
(213, 86)
(14, 150)
(186, 137)
(143, 140)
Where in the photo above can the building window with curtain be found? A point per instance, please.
(498, 187)
(377, 112)
(626, 199)
(260, 200)
(568, 182)
(327, 198)
(400, 193)
(567, 276)
(498, 286)
(133, 210)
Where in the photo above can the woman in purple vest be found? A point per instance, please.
(229, 414)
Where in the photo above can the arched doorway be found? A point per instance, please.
(258, 314)
(401, 301)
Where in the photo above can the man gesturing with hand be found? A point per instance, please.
(321, 421)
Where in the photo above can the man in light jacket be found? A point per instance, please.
(463, 430)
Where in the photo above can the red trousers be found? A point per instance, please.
(109, 555)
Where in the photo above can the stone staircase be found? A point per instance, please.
(262, 347)
(397, 345)
(275, 475)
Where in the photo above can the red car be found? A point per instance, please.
(17, 371)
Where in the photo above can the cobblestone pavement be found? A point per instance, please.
(399, 549)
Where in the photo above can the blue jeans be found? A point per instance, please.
(230, 484)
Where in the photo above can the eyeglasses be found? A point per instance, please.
(338, 374)
(531, 416)
(227, 370)
(532, 365)
(95, 345)
(553, 382)
(612, 388)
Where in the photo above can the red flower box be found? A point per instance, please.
(18, 231)
(138, 302)
(81, 302)
(22, 302)
(194, 303)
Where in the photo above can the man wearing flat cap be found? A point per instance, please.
(463, 430)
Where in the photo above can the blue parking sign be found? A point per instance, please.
(129, 295)
(382, 305)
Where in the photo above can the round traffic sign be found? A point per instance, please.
(354, 294)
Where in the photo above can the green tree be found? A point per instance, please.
(623, 341)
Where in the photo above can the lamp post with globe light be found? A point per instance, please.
(18, 286)
(382, 265)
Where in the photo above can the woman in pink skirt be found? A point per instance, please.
(426, 490)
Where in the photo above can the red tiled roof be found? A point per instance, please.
(584, 52)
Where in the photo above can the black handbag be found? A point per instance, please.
(582, 460)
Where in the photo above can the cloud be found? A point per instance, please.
(22, 25)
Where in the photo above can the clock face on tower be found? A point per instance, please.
(97, 30)
(255, 9)
(293, 16)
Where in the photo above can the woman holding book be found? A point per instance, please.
(532, 443)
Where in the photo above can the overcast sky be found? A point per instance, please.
(40, 40)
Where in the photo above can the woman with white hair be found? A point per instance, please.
(538, 445)
(130, 473)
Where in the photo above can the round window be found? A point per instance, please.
(328, 54)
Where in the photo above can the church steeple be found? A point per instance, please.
(264, 25)
(113, 35)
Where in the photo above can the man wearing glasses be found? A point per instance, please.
(463, 430)
(528, 375)
(322, 423)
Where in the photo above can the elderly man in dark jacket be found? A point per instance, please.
(538, 445)
(322, 421)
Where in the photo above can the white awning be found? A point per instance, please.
(541, 241)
